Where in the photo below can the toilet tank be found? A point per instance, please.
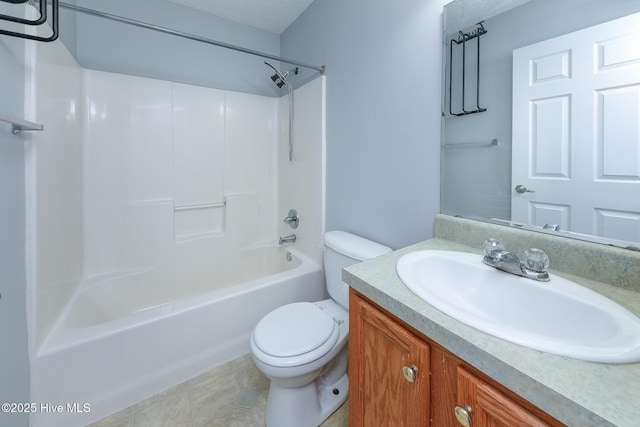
(341, 250)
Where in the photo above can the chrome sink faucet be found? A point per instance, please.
(534, 267)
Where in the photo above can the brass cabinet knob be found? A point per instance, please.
(410, 373)
(464, 415)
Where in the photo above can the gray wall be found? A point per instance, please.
(68, 28)
(383, 64)
(14, 361)
(107, 45)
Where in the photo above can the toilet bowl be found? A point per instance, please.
(302, 347)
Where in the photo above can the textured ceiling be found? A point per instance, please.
(269, 15)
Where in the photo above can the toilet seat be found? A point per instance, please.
(294, 334)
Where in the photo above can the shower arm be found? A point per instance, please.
(282, 77)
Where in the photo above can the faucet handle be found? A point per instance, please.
(490, 245)
(536, 260)
(292, 218)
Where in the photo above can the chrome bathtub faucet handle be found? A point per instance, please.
(292, 219)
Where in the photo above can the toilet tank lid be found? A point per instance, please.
(353, 246)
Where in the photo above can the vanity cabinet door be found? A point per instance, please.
(484, 406)
(388, 371)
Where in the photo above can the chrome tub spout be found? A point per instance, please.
(287, 239)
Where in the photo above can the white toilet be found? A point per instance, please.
(301, 347)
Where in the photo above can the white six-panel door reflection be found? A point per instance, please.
(576, 131)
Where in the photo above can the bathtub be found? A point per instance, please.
(117, 342)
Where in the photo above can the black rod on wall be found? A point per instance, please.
(36, 22)
(40, 20)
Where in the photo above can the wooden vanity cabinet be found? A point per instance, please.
(385, 354)
(388, 370)
(489, 406)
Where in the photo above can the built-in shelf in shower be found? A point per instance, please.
(19, 125)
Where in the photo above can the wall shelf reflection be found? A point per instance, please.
(492, 143)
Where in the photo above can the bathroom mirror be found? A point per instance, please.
(484, 155)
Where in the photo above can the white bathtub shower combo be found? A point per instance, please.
(114, 357)
(154, 217)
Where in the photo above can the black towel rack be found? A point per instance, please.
(463, 39)
(41, 20)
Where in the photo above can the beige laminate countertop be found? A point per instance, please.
(576, 392)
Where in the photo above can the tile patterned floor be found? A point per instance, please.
(231, 395)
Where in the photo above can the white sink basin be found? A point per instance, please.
(559, 316)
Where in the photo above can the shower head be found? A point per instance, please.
(278, 80)
(281, 79)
